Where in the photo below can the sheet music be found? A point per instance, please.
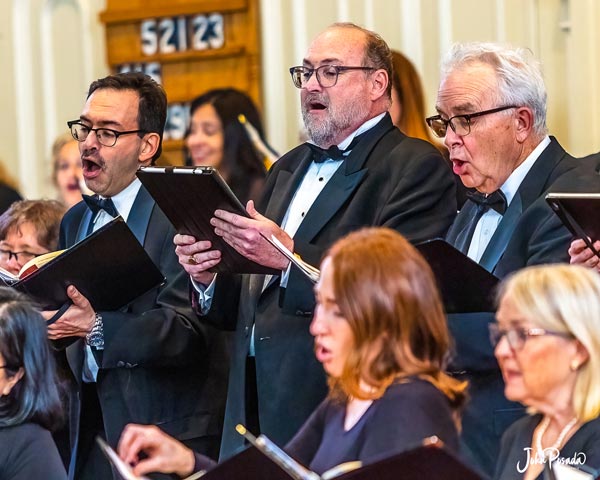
(307, 269)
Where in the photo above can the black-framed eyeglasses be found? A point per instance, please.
(517, 336)
(327, 75)
(460, 124)
(106, 136)
(20, 257)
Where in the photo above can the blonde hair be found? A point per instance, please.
(387, 293)
(565, 298)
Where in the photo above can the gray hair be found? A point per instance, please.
(520, 80)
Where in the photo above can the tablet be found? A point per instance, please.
(189, 196)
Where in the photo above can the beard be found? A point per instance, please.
(340, 117)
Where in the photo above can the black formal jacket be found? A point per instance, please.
(387, 180)
(155, 367)
(528, 234)
(582, 449)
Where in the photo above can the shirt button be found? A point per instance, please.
(302, 214)
(321, 179)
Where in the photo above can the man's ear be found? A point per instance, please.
(149, 146)
(379, 83)
(524, 122)
(12, 381)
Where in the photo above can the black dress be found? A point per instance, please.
(27, 452)
(583, 448)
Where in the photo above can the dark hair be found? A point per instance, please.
(242, 165)
(152, 109)
(387, 293)
(44, 215)
(377, 52)
(24, 345)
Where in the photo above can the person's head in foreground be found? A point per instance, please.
(491, 107)
(379, 322)
(28, 384)
(29, 228)
(379, 317)
(548, 346)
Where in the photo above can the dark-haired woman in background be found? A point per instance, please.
(29, 399)
(216, 138)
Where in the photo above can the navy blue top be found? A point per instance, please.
(405, 415)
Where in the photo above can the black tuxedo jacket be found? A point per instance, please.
(528, 234)
(387, 180)
(155, 367)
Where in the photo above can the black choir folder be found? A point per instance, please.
(578, 212)
(109, 267)
(431, 462)
(464, 284)
(188, 196)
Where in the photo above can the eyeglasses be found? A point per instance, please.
(517, 336)
(106, 136)
(327, 75)
(20, 257)
(460, 124)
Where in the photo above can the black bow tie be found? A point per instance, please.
(95, 204)
(496, 200)
(333, 152)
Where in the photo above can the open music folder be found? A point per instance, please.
(109, 267)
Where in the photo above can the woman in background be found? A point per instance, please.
(548, 346)
(29, 228)
(29, 397)
(216, 138)
(381, 335)
(408, 111)
(67, 172)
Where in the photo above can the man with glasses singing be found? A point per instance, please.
(491, 107)
(356, 170)
(147, 362)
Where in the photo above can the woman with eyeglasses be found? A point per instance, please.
(29, 228)
(548, 346)
(29, 399)
(381, 335)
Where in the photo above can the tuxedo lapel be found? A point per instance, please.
(461, 222)
(139, 216)
(285, 186)
(83, 225)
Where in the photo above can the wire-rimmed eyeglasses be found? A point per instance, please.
(517, 336)
(327, 75)
(460, 124)
(106, 136)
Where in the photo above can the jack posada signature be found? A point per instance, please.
(550, 455)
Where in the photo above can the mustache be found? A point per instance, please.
(315, 98)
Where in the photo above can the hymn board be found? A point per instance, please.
(189, 46)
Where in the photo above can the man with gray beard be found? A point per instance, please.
(358, 170)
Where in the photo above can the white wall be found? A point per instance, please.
(50, 50)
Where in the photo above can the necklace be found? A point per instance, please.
(561, 436)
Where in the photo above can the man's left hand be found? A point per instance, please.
(77, 321)
(246, 236)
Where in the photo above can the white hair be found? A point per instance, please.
(520, 80)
